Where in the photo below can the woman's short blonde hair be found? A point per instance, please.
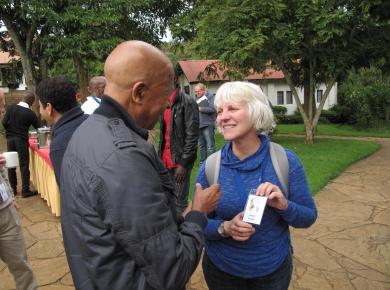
(259, 107)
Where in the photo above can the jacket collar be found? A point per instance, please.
(24, 105)
(68, 116)
(111, 109)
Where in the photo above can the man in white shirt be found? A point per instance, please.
(96, 89)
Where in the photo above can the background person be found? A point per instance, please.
(17, 120)
(59, 107)
(12, 245)
(117, 198)
(179, 133)
(240, 255)
(96, 89)
(206, 120)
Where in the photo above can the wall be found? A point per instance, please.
(270, 89)
(13, 96)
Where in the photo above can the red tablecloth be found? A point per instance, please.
(43, 152)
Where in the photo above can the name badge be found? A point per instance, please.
(4, 196)
(254, 209)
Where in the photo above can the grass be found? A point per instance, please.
(323, 161)
(334, 129)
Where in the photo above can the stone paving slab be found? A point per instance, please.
(347, 248)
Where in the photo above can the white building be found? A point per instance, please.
(272, 83)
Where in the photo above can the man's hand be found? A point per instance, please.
(180, 174)
(206, 200)
(2, 160)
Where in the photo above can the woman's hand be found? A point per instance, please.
(275, 196)
(238, 229)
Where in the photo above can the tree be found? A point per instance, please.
(44, 32)
(311, 42)
(366, 94)
(25, 22)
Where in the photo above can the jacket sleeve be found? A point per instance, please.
(191, 127)
(213, 221)
(137, 208)
(301, 211)
(210, 109)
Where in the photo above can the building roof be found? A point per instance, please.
(6, 58)
(195, 70)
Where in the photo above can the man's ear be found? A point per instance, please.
(138, 92)
(50, 109)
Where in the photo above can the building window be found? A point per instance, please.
(289, 97)
(280, 97)
(319, 96)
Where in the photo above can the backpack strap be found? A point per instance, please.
(280, 163)
(212, 166)
(278, 158)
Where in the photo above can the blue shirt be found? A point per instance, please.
(265, 250)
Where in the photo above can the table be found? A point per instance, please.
(42, 176)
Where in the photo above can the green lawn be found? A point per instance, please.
(334, 129)
(323, 161)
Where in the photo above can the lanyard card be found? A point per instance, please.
(254, 209)
(3, 193)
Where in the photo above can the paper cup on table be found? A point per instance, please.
(11, 159)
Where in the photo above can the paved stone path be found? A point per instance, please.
(347, 248)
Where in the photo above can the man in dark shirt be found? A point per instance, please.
(58, 105)
(17, 120)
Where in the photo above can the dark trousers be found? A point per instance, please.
(19, 145)
(181, 190)
(219, 280)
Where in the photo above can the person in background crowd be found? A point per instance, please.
(179, 133)
(96, 89)
(117, 198)
(59, 107)
(17, 120)
(206, 120)
(241, 255)
(12, 245)
(79, 98)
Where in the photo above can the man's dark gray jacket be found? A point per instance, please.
(118, 210)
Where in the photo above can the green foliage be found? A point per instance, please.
(279, 112)
(337, 130)
(366, 96)
(314, 41)
(84, 29)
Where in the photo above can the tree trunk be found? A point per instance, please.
(310, 132)
(82, 76)
(43, 68)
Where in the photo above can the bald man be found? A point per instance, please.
(118, 205)
(96, 89)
